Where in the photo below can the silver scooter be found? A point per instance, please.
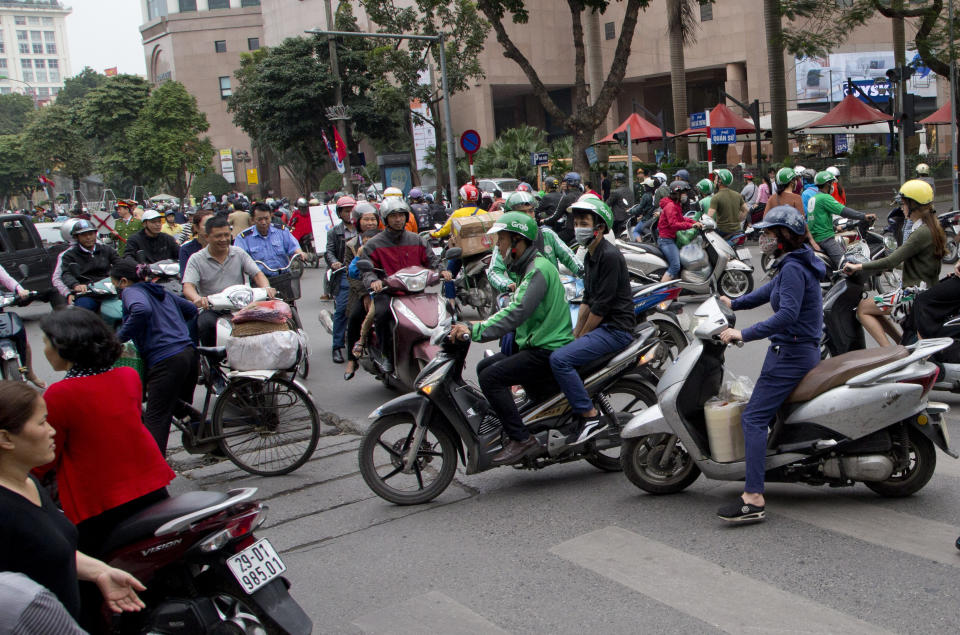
(861, 416)
(724, 269)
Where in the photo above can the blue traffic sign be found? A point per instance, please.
(698, 119)
(723, 135)
(539, 158)
(470, 141)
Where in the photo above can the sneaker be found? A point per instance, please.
(589, 428)
(742, 512)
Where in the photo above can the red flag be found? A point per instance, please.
(341, 146)
(110, 72)
(45, 181)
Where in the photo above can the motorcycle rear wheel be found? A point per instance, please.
(10, 370)
(951, 254)
(923, 462)
(237, 611)
(636, 454)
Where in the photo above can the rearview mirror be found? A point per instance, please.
(364, 265)
(453, 253)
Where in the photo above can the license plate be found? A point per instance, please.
(256, 565)
(743, 253)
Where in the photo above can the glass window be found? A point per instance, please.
(33, 19)
(156, 9)
(253, 43)
(706, 11)
(3, 48)
(54, 74)
(51, 49)
(35, 36)
(220, 46)
(609, 31)
(26, 63)
(3, 62)
(42, 76)
(38, 49)
(249, 3)
(39, 63)
(188, 5)
(18, 235)
(225, 87)
(218, 4)
(21, 36)
(47, 21)
(54, 91)
(5, 90)
(44, 91)
(27, 75)
(19, 19)
(49, 36)
(24, 48)
(53, 63)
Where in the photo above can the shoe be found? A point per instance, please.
(741, 512)
(589, 428)
(347, 376)
(338, 356)
(513, 451)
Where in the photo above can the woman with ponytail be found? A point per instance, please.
(157, 323)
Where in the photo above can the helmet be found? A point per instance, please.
(661, 176)
(799, 169)
(923, 168)
(809, 175)
(681, 175)
(834, 170)
(748, 175)
(415, 193)
(724, 176)
(150, 214)
(82, 227)
(573, 178)
(619, 176)
(361, 209)
(65, 230)
(301, 202)
(393, 191)
(679, 186)
(784, 216)
(269, 201)
(705, 187)
(551, 183)
(519, 198)
(524, 187)
(346, 201)
(314, 202)
(914, 189)
(469, 193)
(516, 223)
(648, 182)
(822, 178)
(785, 175)
(596, 207)
(428, 198)
(393, 205)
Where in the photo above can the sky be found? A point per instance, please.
(105, 33)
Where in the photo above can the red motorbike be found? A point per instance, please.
(204, 570)
(416, 314)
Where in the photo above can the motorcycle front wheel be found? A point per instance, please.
(627, 397)
(644, 464)
(951, 254)
(735, 283)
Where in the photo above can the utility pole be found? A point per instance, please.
(899, 61)
(339, 112)
(953, 114)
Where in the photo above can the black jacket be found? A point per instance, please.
(606, 287)
(560, 220)
(80, 267)
(336, 250)
(617, 204)
(149, 250)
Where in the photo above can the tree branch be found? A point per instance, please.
(618, 68)
(579, 57)
(922, 40)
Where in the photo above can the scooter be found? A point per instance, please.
(723, 268)
(409, 453)
(860, 417)
(166, 273)
(473, 288)
(204, 569)
(111, 307)
(415, 314)
(12, 337)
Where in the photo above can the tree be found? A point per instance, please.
(54, 143)
(165, 139)
(773, 29)
(209, 181)
(18, 175)
(15, 111)
(509, 154)
(681, 25)
(76, 87)
(586, 117)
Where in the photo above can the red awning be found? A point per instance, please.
(850, 112)
(640, 130)
(722, 117)
(941, 116)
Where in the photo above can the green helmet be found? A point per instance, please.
(595, 206)
(517, 223)
(724, 176)
(519, 198)
(705, 187)
(785, 175)
(822, 178)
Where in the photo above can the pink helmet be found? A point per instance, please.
(346, 201)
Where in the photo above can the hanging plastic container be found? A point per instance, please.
(724, 431)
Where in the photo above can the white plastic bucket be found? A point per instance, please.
(724, 431)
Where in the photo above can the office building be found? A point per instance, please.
(34, 58)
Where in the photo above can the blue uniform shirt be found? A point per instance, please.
(274, 250)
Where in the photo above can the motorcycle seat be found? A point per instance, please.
(216, 354)
(142, 524)
(836, 371)
(653, 249)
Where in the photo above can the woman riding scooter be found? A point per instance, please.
(794, 331)
(10, 284)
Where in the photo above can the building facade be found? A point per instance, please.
(34, 56)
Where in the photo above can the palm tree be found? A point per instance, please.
(681, 24)
(778, 88)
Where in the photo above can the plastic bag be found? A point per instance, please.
(684, 236)
(276, 311)
(736, 388)
(270, 351)
(693, 256)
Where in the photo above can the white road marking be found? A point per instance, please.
(430, 613)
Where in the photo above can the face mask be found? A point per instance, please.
(683, 198)
(509, 259)
(583, 235)
(768, 244)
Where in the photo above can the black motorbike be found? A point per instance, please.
(12, 337)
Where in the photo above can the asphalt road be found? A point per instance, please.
(570, 549)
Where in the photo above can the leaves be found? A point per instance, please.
(55, 143)
(15, 111)
(18, 174)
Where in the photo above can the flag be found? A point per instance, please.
(341, 146)
(45, 181)
(333, 153)
(110, 72)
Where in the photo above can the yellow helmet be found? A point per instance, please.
(917, 190)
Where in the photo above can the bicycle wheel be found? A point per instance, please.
(266, 427)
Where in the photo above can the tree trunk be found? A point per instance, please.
(582, 138)
(678, 76)
(440, 156)
(778, 88)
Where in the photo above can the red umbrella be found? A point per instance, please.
(722, 117)
(941, 116)
(640, 130)
(850, 112)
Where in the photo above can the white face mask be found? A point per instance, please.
(683, 198)
(768, 243)
(583, 235)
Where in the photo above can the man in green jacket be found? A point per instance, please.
(126, 225)
(541, 318)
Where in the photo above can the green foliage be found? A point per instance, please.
(209, 181)
(509, 154)
(561, 151)
(18, 175)
(76, 87)
(15, 111)
(55, 143)
(331, 182)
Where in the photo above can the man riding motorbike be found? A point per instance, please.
(560, 219)
(727, 206)
(620, 200)
(85, 263)
(150, 244)
(820, 210)
(335, 257)
(470, 195)
(541, 318)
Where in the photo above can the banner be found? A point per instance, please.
(226, 165)
(821, 78)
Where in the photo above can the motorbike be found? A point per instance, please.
(415, 314)
(860, 417)
(12, 336)
(204, 569)
(111, 307)
(950, 221)
(166, 273)
(409, 453)
(472, 287)
(723, 268)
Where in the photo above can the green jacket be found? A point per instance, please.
(549, 245)
(125, 230)
(539, 312)
(920, 263)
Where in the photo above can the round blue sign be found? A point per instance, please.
(470, 141)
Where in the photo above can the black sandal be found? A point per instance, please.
(347, 376)
(742, 512)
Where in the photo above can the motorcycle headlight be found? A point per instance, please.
(241, 297)
(426, 382)
(415, 282)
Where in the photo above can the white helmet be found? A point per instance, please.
(392, 191)
(391, 205)
(834, 170)
(65, 230)
(799, 170)
(923, 168)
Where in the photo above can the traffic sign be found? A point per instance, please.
(470, 141)
(723, 135)
(539, 158)
(592, 157)
(698, 119)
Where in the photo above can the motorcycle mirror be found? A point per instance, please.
(364, 265)
(453, 253)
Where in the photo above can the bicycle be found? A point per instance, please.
(265, 423)
(287, 284)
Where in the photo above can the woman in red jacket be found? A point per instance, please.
(107, 464)
(672, 221)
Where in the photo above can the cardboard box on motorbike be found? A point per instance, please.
(470, 233)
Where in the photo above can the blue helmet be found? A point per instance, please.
(681, 175)
(784, 216)
(573, 178)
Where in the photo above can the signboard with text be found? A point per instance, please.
(539, 158)
(723, 135)
(698, 119)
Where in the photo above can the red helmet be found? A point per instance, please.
(469, 193)
(524, 187)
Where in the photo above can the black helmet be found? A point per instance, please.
(619, 176)
(551, 183)
(82, 226)
(679, 186)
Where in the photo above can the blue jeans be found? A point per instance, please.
(783, 368)
(340, 310)
(87, 302)
(450, 288)
(564, 361)
(638, 230)
(672, 253)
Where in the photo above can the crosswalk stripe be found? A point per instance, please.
(430, 613)
(718, 596)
